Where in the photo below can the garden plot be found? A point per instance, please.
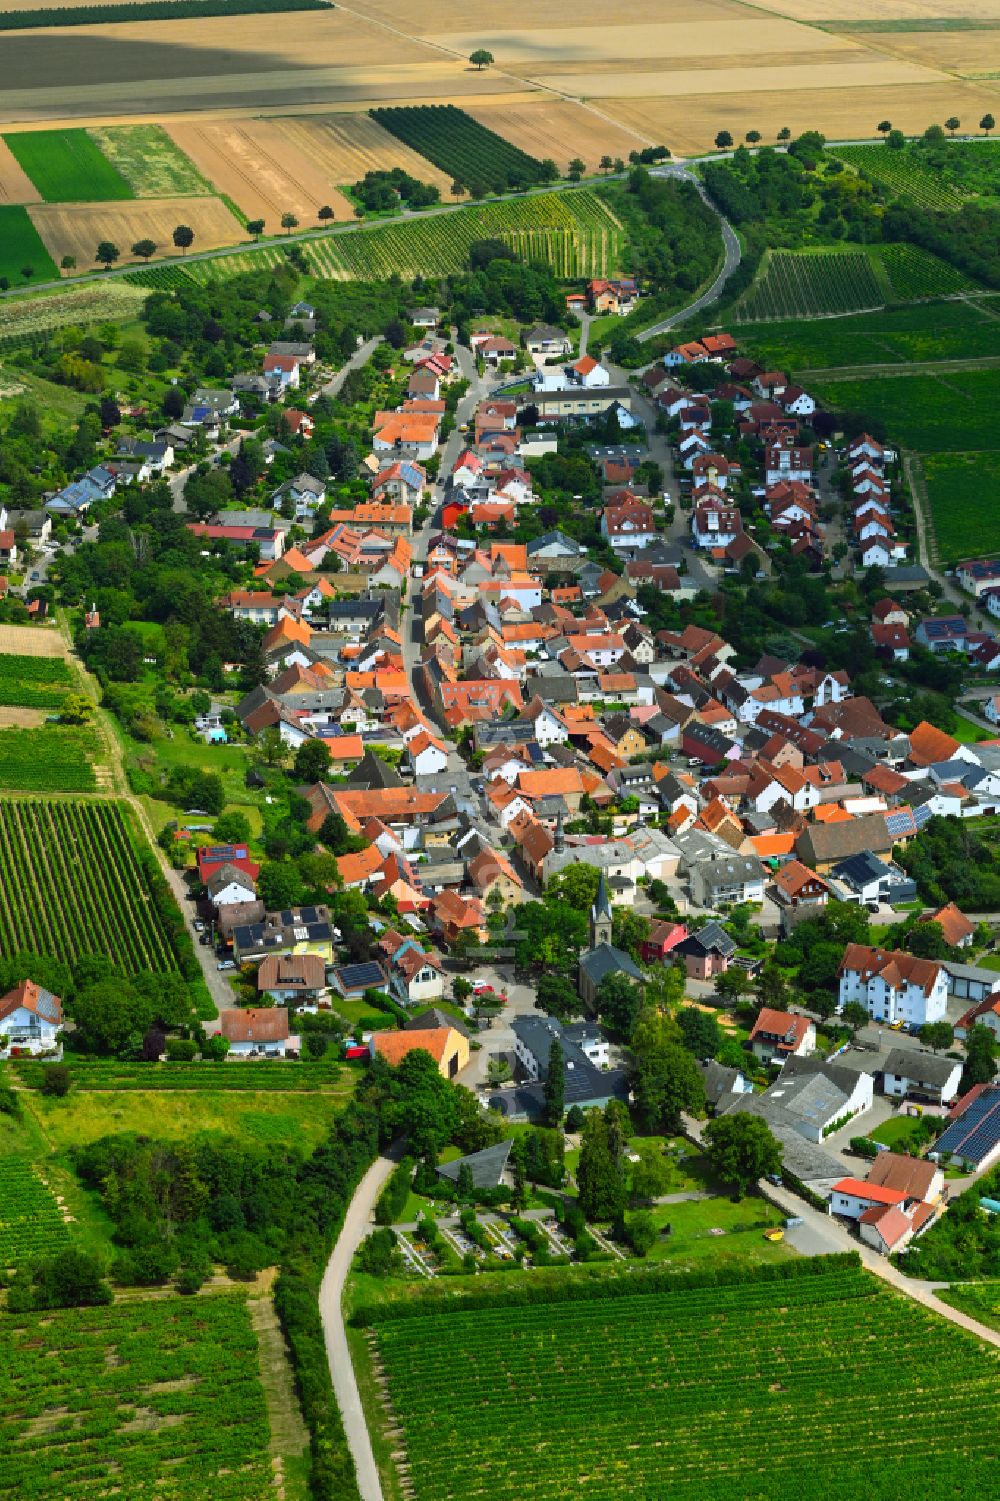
(150, 162)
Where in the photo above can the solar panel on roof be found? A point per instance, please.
(977, 1130)
(366, 975)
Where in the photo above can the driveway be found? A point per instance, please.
(499, 1037)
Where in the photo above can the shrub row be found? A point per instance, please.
(148, 10)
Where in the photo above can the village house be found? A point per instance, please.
(31, 1018)
(257, 1033)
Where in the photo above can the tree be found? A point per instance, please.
(27, 272)
(481, 59)
(732, 985)
(927, 941)
(70, 1279)
(784, 134)
(700, 1032)
(650, 1176)
(619, 1002)
(936, 1035)
(642, 1232)
(599, 1176)
(255, 227)
(952, 123)
(280, 885)
(554, 1088)
(232, 828)
(289, 222)
(742, 1149)
(987, 123)
(56, 1080)
(980, 1058)
(107, 253)
(723, 139)
(606, 164)
(312, 761)
(577, 167)
(664, 1075)
(557, 995)
(855, 1015)
(883, 127)
(183, 236)
(144, 249)
(111, 1016)
(895, 140)
(324, 213)
(752, 137)
(68, 263)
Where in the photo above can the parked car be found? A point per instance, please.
(482, 990)
(199, 926)
(226, 964)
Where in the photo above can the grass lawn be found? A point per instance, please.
(230, 762)
(692, 1240)
(284, 1119)
(970, 734)
(66, 166)
(21, 246)
(980, 1300)
(902, 1133)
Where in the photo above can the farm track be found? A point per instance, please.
(910, 367)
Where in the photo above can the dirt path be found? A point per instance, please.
(912, 367)
(357, 1223)
(289, 1436)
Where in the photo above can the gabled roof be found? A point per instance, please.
(34, 998)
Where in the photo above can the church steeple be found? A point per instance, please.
(600, 916)
(559, 843)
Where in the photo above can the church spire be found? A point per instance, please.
(600, 916)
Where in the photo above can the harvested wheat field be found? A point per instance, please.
(452, 16)
(345, 147)
(15, 184)
(964, 53)
(532, 50)
(688, 125)
(75, 228)
(22, 719)
(31, 641)
(560, 130)
(815, 11)
(256, 164)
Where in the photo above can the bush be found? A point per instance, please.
(56, 1080)
(378, 1255)
(181, 1050)
(394, 1195)
(863, 1147)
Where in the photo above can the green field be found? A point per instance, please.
(966, 170)
(956, 484)
(980, 1300)
(72, 885)
(66, 166)
(33, 682)
(30, 1222)
(108, 302)
(151, 164)
(54, 758)
(914, 272)
(274, 1076)
(282, 1119)
(21, 246)
(697, 1394)
(951, 413)
(808, 286)
(145, 1399)
(927, 331)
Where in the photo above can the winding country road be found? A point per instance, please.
(357, 1223)
(731, 259)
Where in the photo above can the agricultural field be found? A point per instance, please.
(34, 682)
(931, 414)
(914, 273)
(148, 1398)
(461, 146)
(23, 317)
(345, 147)
(903, 174)
(560, 129)
(664, 1393)
(30, 641)
(66, 166)
(264, 172)
(15, 184)
(965, 524)
(809, 286)
(283, 1118)
(31, 1224)
(258, 1078)
(55, 758)
(575, 232)
(980, 1300)
(931, 331)
(105, 909)
(75, 229)
(149, 161)
(21, 247)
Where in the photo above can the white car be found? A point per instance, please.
(226, 964)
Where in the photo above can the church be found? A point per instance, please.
(602, 958)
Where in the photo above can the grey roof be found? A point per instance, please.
(989, 977)
(922, 1068)
(228, 875)
(861, 868)
(606, 960)
(727, 870)
(487, 1167)
(806, 1159)
(711, 938)
(433, 1018)
(719, 1080)
(371, 771)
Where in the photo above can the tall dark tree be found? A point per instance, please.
(554, 1088)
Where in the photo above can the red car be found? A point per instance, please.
(482, 990)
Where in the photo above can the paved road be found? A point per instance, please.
(357, 1224)
(731, 259)
(360, 357)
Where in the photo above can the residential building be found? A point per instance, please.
(446, 1045)
(778, 1035)
(30, 1020)
(292, 978)
(972, 1140)
(909, 1073)
(257, 1033)
(707, 952)
(892, 985)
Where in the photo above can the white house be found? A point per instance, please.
(257, 1032)
(417, 978)
(229, 886)
(778, 1035)
(909, 1072)
(715, 526)
(30, 1019)
(893, 986)
(426, 755)
(852, 1197)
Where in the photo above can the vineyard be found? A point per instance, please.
(148, 1399)
(808, 286)
(51, 759)
(22, 318)
(273, 1077)
(923, 331)
(914, 273)
(33, 682)
(30, 1222)
(159, 278)
(968, 170)
(694, 1394)
(72, 885)
(574, 233)
(469, 152)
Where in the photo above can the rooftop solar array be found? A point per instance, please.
(977, 1130)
